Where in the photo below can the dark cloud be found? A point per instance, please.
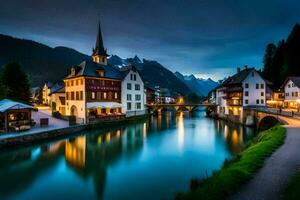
(205, 37)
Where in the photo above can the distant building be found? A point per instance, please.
(165, 96)
(58, 100)
(45, 93)
(292, 93)
(150, 95)
(245, 88)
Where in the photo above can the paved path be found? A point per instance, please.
(278, 169)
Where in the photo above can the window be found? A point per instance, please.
(252, 74)
(293, 85)
(137, 87)
(257, 86)
(72, 96)
(128, 97)
(134, 77)
(246, 85)
(128, 106)
(104, 95)
(296, 94)
(116, 95)
(67, 96)
(246, 93)
(287, 94)
(257, 101)
(81, 95)
(72, 83)
(76, 82)
(292, 94)
(137, 97)
(138, 106)
(262, 101)
(81, 82)
(131, 75)
(262, 86)
(93, 95)
(128, 86)
(77, 95)
(289, 85)
(262, 94)
(246, 101)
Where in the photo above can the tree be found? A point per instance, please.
(292, 52)
(277, 69)
(268, 59)
(16, 82)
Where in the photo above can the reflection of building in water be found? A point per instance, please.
(180, 124)
(75, 152)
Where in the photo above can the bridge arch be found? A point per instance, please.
(267, 122)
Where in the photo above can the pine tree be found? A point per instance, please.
(292, 52)
(277, 64)
(268, 59)
(16, 82)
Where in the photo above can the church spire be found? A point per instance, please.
(99, 53)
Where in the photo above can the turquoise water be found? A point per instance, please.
(152, 159)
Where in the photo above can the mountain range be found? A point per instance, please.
(44, 63)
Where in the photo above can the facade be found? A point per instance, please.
(245, 88)
(133, 93)
(150, 95)
(292, 93)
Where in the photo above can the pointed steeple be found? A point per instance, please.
(99, 53)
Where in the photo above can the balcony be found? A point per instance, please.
(234, 102)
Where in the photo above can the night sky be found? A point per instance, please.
(208, 38)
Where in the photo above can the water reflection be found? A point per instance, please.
(104, 164)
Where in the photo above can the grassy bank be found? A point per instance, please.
(293, 189)
(238, 170)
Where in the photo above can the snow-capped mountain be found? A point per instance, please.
(199, 86)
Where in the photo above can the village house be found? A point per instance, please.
(244, 89)
(95, 90)
(292, 93)
(58, 100)
(133, 93)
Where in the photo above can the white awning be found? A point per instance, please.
(7, 104)
(103, 105)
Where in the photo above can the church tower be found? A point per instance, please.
(99, 53)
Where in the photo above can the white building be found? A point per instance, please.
(45, 93)
(58, 100)
(292, 93)
(245, 88)
(132, 92)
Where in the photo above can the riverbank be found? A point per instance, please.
(19, 140)
(237, 171)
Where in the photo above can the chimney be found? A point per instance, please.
(246, 66)
(238, 69)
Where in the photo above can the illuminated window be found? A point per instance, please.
(81, 82)
(93, 95)
(116, 95)
(81, 95)
(72, 96)
(104, 95)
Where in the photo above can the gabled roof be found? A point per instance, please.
(238, 77)
(127, 69)
(59, 89)
(294, 79)
(90, 68)
(7, 104)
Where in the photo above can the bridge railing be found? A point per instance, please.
(278, 112)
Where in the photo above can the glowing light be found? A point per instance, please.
(180, 130)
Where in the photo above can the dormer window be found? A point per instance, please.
(100, 73)
(73, 71)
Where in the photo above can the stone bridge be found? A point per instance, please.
(264, 118)
(177, 107)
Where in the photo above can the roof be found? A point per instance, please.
(127, 69)
(90, 68)
(7, 104)
(238, 77)
(294, 79)
(58, 89)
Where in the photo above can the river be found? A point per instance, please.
(152, 159)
